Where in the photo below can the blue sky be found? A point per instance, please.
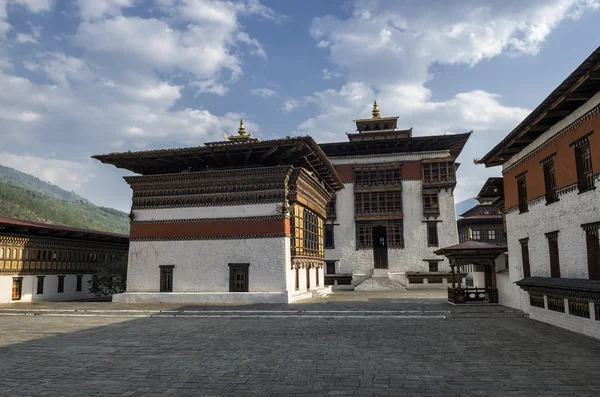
(84, 77)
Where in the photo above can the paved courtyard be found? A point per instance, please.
(395, 344)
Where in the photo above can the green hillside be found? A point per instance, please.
(23, 196)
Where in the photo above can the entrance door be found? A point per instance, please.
(307, 279)
(380, 247)
(17, 286)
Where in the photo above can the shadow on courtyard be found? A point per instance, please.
(486, 355)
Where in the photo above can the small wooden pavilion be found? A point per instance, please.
(478, 254)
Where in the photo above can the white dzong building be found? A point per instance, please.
(396, 208)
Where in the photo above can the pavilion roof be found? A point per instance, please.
(296, 151)
(453, 143)
(16, 226)
(574, 91)
(473, 246)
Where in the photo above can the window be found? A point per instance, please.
(549, 180)
(17, 286)
(432, 234)
(79, 282)
(238, 277)
(592, 242)
(583, 161)
(430, 202)
(307, 233)
(491, 235)
(317, 276)
(166, 278)
(522, 192)
(476, 234)
(525, 257)
(433, 266)
(330, 267)
(61, 284)
(330, 209)
(40, 285)
(378, 203)
(437, 172)
(377, 176)
(394, 229)
(329, 238)
(553, 248)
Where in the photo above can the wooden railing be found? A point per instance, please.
(465, 295)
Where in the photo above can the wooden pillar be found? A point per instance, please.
(493, 270)
(453, 281)
(459, 279)
(486, 277)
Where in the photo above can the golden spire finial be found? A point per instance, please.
(242, 129)
(242, 133)
(376, 114)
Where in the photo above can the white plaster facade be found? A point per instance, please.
(29, 288)
(229, 211)
(565, 216)
(411, 258)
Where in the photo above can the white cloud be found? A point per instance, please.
(26, 38)
(330, 74)
(93, 9)
(263, 92)
(68, 175)
(36, 6)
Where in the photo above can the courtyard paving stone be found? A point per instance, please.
(470, 351)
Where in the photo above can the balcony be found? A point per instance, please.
(472, 295)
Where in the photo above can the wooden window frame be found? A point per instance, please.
(431, 203)
(329, 243)
(245, 268)
(297, 286)
(491, 235)
(61, 284)
(307, 233)
(394, 231)
(378, 202)
(40, 285)
(79, 286)
(166, 278)
(525, 257)
(583, 163)
(17, 281)
(549, 179)
(432, 234)
(592, 242)
(553, 250)
(331, 208)
(476, 232)
(378, 175)
(327, 265)
(522, 192)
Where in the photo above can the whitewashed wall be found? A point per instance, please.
(202, 265)
(416, 249)
(228, 211)
(566, 215)
(51, 294)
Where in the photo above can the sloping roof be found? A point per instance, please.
(472, 246)
(297, 151)
(480, 220)
(472, 209)
(453, 143)
(561, 283)
(493, 187)
(8, 225)
(573, 92)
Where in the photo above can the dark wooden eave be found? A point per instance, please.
(493, 187)
(34, 229)
(573, 92)
(298, 152)
(453, 143)
(479, 220)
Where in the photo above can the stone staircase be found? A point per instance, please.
(379, 284)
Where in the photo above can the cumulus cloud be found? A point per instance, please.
(263, 92)
(67, 174)
(93, 9)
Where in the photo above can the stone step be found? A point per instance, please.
(379, 284)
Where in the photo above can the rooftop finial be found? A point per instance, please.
(376, 114)
(242, 134)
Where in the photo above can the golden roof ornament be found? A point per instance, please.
(242, 134)
(376, 114)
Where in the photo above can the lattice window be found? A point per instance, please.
(556, 304)
(329, 236)
(238, 277)
(476, 234)
(536, 300)
(579, 309)
(432, 234)
(522, 192)
(549, 180)
(583, 161)
(438, 172)
(378, 176)
(395, 233)
(331, 212)
(378, 203)
(430, 202)
(307, 233)
(394, 230)
(364, 235)
(491, 235)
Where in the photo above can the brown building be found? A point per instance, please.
(41, 262)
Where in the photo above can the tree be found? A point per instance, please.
(111, 278)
